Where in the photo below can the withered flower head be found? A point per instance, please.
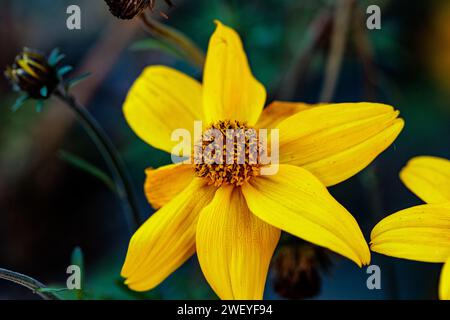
(33, 74)
(128, 9)
(297, 270)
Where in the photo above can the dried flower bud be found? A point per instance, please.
(33, 74)
(128, 9)
(297, 270)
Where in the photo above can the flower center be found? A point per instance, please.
(228, 153)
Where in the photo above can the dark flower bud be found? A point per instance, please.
(33, 74)
(37, 76)
(128, 9)
(297, 270)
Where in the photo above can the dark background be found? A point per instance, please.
(48, 206)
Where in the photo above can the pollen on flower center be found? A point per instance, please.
(228, 153)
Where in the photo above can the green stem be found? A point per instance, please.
(27, 282)
(176, 38)
(110, 155)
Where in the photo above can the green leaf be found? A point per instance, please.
(53, 56)
(155, 44)
(44, 92)
(19, 102)
(64, 70)
(39, 106)
(88, 168)
(52, 290)
(76, 80)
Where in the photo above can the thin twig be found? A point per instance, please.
(338, 43)
(111, 156)
(175, 38)
(316, 32)
(364, 51)
(27, 282)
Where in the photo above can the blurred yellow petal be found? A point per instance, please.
(278, 111)
(429, 178)
(167, 239)
(160, 101)
(419, 233)
(295, 201)
(337, 141)
(444, 283)
(234, 247)
(166, 182)
(230, 91)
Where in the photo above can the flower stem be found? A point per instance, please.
(111, 156)
(27, 282)
(343, 15)
(316, 33)
(176, 38)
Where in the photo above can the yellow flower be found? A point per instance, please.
(233, 220)
(421, 233)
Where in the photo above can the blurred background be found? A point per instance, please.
(49, 205)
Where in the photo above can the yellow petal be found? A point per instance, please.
(337, 141)
(230, 91)
(297, 202)
(444, 284)
(278, 111)
(167, 239)
(234, 247)
(429, 178)
(160, 101)
(419, 233)
(166, 182)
